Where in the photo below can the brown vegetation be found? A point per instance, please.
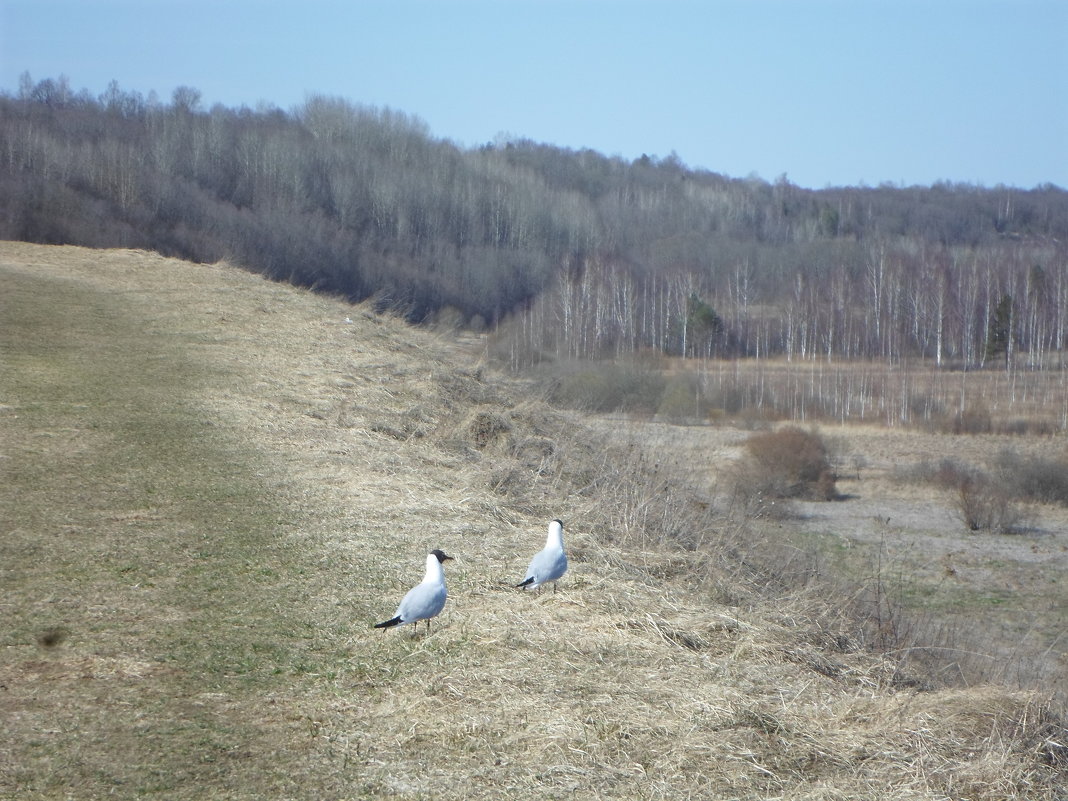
(216, 484)
(969, 606)
(986, 505)
(790, 463)
(753, 392)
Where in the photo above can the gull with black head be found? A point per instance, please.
(550, 563)
(426, 599)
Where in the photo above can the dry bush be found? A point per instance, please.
(982, 501)
(977, 419)
(945, 473)
(1027, 427)
(682, 400)
(1033, 477)
(731, 400)
(922, 395)
(789, 463)
(607, 387)
(752, 499)
(447, 319)
(984, 505)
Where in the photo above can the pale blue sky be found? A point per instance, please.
(829, 92)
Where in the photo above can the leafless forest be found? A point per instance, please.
(566, 255)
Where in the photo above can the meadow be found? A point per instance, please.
(212, 486)
(971, 605)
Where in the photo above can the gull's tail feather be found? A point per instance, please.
(526, 582)
(387, 623)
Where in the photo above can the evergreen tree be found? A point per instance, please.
(999, 333)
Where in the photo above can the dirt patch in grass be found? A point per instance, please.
(213, 485)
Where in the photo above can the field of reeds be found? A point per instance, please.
(941, 399)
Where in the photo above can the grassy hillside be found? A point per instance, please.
(213, 485)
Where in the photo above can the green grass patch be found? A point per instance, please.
(145, 566)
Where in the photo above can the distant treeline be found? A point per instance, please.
(566, 253)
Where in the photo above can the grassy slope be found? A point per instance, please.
(212, 485)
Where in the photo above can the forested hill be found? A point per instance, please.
(595, 254)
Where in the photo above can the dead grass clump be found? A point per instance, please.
(484, 427)
(508, 479)
(535, 451)
(462, 389)
(639, 506)
(790, 462)
(963, 743)
(414, 423)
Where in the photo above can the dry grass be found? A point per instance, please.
(972, 606)
(214, 485)
(906, 394)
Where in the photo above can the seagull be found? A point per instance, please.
(550, 562)
(424, 600)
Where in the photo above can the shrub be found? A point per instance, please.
(927, 411)
(1032, 477)
(984, 504)
(858, 461)
(682, 400)
(1027, 426)
(448, 319)
(609, 387)
(950, 474)
(944, 473)
(790, 463)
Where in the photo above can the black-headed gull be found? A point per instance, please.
(550, 563)
(426, 599)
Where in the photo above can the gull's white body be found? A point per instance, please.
(426, 599)
(550, 563)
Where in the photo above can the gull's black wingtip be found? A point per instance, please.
(385, 624)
